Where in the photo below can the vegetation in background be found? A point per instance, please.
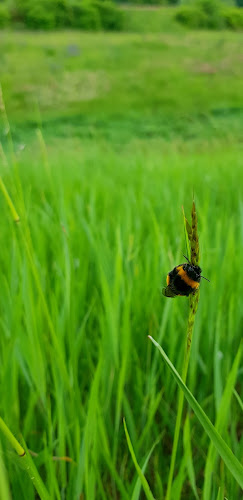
(107, 15)
(233, 19)
(52, 14)
(5, 16)
(115, 87)
(209, 14)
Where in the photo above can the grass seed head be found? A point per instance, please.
(193, 237)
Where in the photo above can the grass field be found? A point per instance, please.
(133, 125)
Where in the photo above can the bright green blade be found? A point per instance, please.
(221, 423)
(188, 456)
(143, 479)
(224, 451)
(137, 488)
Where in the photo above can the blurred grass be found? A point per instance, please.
(102, 203)
(113, 85)
(106, 228)
(150, 19)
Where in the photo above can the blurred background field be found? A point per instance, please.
(111, 133)
(120, 86)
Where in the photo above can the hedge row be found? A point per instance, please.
(209, 14)
(106, 15)
(51, 14)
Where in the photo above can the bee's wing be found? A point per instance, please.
(167, 292)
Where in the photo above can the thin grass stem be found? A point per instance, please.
(193, 249)
(26, 462)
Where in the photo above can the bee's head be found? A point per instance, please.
(195, 270)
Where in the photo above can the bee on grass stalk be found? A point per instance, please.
(183, 280)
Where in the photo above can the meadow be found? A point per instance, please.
(106, 137)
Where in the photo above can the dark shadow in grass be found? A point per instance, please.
(119, 129)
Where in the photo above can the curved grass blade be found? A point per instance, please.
(179, 480)
(221, 422)
(188, 455)
(9, 202)
(4, 483)
(224, 451)
(143, 479)
(25, 461)
(237, 396)
(137, 488)
(219, 495)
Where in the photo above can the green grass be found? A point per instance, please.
(101, 217)
(106, 228)
(150, 19)
(118, 85)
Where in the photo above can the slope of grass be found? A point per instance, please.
(146, 85)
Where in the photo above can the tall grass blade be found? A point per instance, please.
(221, 422)
(188, 456)
(4, 485)
(143, 479)
(224, 451)
(238, 399)
(9, 201)
(26, 462)
(179, 480)
(137, 488)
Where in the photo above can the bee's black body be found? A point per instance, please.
(183, 280)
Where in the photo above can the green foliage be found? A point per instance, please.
(42, 14)
(191, 16)
(239, 3)
(234, 18)
(209, 14)
(111, 17)
(213, 13)
(95, 15)
(4, 15)
(201, 14)
(62, 12)
(144, 3)
(107, 15)
(84, 15)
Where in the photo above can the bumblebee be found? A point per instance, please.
(183, 280)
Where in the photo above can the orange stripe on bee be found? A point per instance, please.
(184, 276)
(167, 279)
